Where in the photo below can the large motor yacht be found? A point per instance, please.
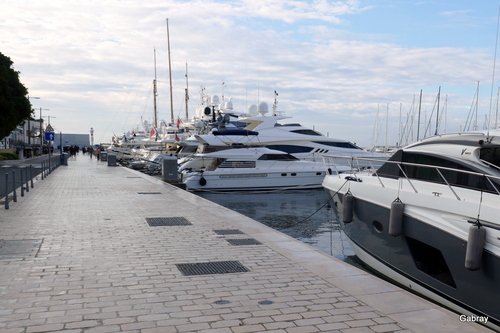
(255, 168)
(428, 218)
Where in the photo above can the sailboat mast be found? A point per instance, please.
(477, 106)
(187, 92)
(170, 76)
(155, 92)
(437, 113)
(419, 110)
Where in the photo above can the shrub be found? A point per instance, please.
(8, 156)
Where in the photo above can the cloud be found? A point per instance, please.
(93, 61)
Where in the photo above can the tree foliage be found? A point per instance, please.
(15, 106)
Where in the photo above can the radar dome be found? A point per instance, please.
(252, 109)
(214, 100)
(229, 105)
(263, 108)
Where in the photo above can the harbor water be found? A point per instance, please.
(305, 215)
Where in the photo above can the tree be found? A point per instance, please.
(15, 106)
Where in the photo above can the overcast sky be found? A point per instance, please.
(336, 65)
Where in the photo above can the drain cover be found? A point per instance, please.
(248, 241)
(19, 248)
(228, 232)
(148, 192)
(167, 221)
(206, 268)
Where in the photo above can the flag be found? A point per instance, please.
(177, 138)
(178, 122)
(152, 132)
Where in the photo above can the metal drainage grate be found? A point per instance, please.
(228, 232)
(207, 268)
(148, 192)
(19, 248)
(167, 221)
(248, 241)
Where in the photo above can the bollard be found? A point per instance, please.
(27, 180)
(14, 185)
(22, 182)
(6, 190)
(42, 171)
(31, 175)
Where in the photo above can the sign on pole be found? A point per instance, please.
(49, 136)
(49, 133)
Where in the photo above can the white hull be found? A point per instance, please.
(256, 180)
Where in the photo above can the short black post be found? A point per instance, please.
(43, 169)
(31, 175)
(6, 190)
(27, 180)
(22, 182)
(14, 185)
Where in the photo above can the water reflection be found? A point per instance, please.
(305, 215)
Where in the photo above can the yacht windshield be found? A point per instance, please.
(278, 157)
(306, 132)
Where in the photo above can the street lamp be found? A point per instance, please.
(29, 122)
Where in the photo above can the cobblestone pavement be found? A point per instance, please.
(77, 254)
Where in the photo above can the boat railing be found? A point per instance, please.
(328, 161)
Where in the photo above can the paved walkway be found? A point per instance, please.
(100, 267)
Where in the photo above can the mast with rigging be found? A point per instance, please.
(170, 76)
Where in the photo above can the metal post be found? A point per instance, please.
(43, 169)
(31, 175)
(22, 182)
(14, 185)
(6, 190)
(49, 157)
(27, 180)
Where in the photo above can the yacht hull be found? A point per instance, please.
(426, 258)
(250, 181)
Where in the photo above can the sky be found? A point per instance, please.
(350, 69)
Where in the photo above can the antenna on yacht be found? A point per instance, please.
(275, 104)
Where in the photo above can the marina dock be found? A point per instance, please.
(97, 248)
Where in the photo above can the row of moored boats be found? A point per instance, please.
(426, 216)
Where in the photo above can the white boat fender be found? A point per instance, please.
(475, 246)
(396, 218)
(347, 207)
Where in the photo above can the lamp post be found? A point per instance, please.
(29, 126)
(41, 129)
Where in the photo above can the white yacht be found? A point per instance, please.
(428, 218)
(256, 168)
(292, 138)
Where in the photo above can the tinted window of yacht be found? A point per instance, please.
(391, 170)
(306, 132)
(490, 155)
(278, 157)
(291, 149)
(453, 177)
(338, 144)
